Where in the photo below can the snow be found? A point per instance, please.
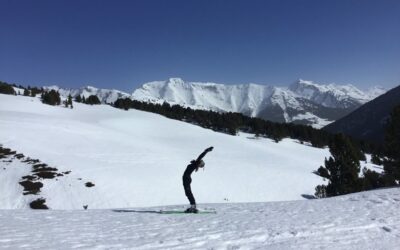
(136, 158)
(333, 95)
(316, 121)
(375, 91)
(367, 220)
(251, 99)
(104, 95)
(11, 192)
(18, 91)
(244, 98)
(371, 166)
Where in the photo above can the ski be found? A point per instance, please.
(183, 212)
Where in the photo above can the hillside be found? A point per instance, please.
(136, 158)
(368, 122)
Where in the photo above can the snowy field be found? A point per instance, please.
(136, 159)
(368, 220)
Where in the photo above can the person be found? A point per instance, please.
(193, 166)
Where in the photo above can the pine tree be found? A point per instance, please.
(391, 162)
(93, 99)
(6, 88)
(52, 97)
(78, 98)
(26, 92)
(375, 159)
(69, 101)
(342, 168)
(34, 91)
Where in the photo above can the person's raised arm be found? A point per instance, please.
(204, 153)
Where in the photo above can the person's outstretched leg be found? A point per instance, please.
(189, 195)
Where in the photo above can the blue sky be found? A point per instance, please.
(122, 44)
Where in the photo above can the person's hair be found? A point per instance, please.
(200, 163)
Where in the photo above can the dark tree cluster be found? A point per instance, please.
(343, 167)
(78, 98)
(92, 100)
(35, 91)
(51, 97)
(391, 159)
(6, 88)
(32, 91)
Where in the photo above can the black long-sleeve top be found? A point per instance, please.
(193, 165)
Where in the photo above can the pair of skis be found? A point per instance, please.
(183, 212)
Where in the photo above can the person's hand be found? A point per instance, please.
(209, 149)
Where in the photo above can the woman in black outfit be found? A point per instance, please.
(194, 165)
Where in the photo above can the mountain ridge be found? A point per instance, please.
(302, 102)
(105, 95)
(368, 122)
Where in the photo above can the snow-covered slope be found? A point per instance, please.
(244, 98)
(332, 95)
(303, 101)
(104, 95)
(369, 122)
(136, 158)
(367, 220)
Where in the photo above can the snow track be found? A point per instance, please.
(367, 220)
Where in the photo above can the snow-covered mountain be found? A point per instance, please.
(104, 95)
(302, 102)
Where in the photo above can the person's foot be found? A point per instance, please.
(192, 210)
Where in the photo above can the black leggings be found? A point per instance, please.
(188, 190)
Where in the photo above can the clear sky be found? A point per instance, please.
(122, 44)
